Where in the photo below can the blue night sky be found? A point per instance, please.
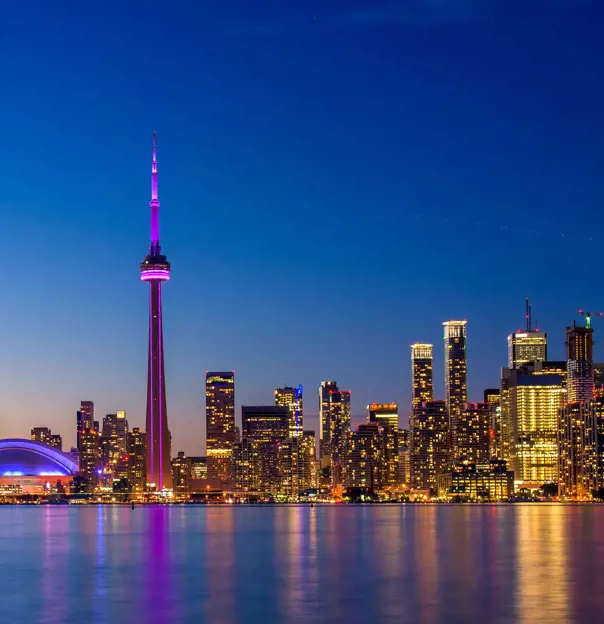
(336, 179)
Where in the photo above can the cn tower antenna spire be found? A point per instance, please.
(154, 203)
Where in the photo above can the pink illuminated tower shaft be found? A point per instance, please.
(155, 269)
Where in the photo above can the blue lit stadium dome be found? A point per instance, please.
(28, 458)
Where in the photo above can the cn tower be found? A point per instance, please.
(155, 269)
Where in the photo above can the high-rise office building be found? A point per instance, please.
(114, 443)
(85, 420)
(534, 397)
(365, 457)
(324, 423)
(45, 435)
(429, 444)
(473, 440)
(422, 388)
(247, 466)
(90, 456)
(292, 398)
(528, 345)
(525, 347)
(137, 459)
(456, 384)
(181, 473)
(579, 460)
(220, 423)
(155, 269)
(386, 415)
(267, 427)
(580, 366)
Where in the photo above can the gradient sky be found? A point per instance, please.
(336, 179)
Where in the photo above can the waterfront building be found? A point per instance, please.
(386, 415)
(267, 426)
(155, 269)
(422, 389)
(489, 480)
(85, 420)
(45, 436)
(114, 440)
(579, 361)
(456, 383)
(492, 397)
(247, 466)
(429, 444)
(535, 394)
(339, 426)
(325, 389)
(199, 468)
(364, 467)
(579, 461)
(137, 459)
(473, 439)
(90, 457)
(220, 423)
(181, 473)
(292, 398)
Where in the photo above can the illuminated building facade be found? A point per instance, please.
(85, 420)
(422, 388)
(45, 436)
(137, 459)
(297, 463)
(199, 468)
(292, 398)
(473, 481)
(578, 449)
(339, 426)
(492, 397)
(325, 389)
(247, 466)
(386, 415)
(267, 427)
(579, 362)
(90, 457)
(535, 399)
(114, 441)
(429, 444)
(181, 473)
(220, 423)
(473, 439)
(525, 347)
(456, 383)
(155, 269)
(365, 457)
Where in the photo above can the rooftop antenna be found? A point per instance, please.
(529, 315)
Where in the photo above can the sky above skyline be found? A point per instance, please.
(335, 182)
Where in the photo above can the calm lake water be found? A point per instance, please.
(509, 563)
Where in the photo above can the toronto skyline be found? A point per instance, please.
(336, 184)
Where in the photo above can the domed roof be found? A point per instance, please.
(28, 458)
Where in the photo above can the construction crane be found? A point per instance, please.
(588, 316)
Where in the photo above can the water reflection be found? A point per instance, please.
(300, 564)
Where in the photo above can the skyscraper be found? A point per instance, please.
(473, 441)
(421, 374)
(137, 459)
(339, 426)
(220, 423)
(535, 398)
(456, 384)
(580, 366)
(578, 461)
(386, 415)
(45, 435)
(292, 398)
(324, 425)
(528, 345)
(85, 420)
(365, 457)
(155, 269)
(114, 443)
(429, 444)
